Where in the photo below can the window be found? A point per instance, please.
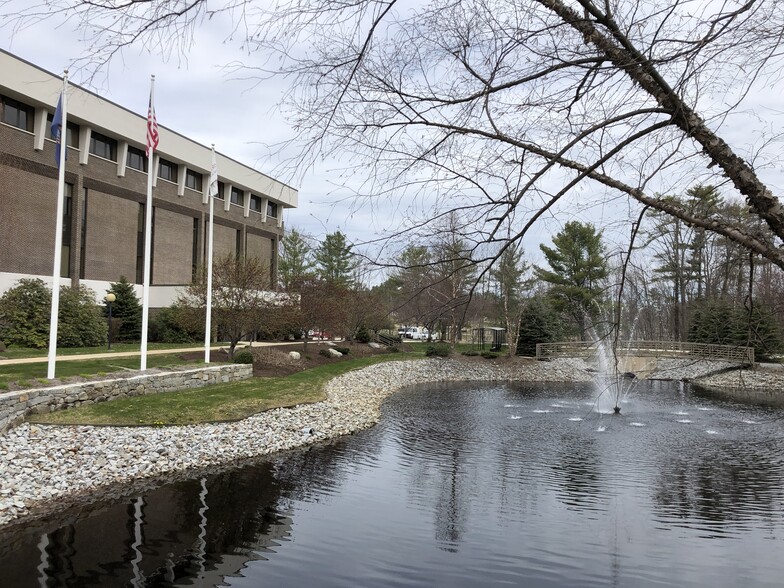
(17, 114)
(71, 134)
(136, 159)
(65, 251)
(255, 203)
(272, 209)
(193, 180)
(140, 220)
(221, 190)
(195, 250)
(103, 146)
(167, 170)
(82, 245)
(237, 196)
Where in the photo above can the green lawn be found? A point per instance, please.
(23, 352)
(32, 375)
(221, 402)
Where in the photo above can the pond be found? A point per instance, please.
(459, 485)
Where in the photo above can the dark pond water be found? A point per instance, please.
(459, 486)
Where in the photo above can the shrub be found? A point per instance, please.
(324, 353)
(25, 310)
(363, 335)
(343, 350)
(24, 314)
(244, 356)
(489, 355)
(470, 353)
(80, 321)
(438, 350)
(170, 325)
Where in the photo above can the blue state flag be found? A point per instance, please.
(57, 131)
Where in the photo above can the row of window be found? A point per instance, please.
(20, 115)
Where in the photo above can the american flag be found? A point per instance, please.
(152, 129)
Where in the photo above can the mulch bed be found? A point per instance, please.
(272, 360)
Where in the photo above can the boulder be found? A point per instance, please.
(295, 355)
(334, 352)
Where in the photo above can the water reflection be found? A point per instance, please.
(204, 529)
(459, 486)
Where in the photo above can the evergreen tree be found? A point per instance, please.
(719, 322)
(577, 274)
(507, 276)
(296, 260)
(127, 309)
(335, 262)
(539, 323)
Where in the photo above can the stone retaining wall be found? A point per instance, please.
(14, 406)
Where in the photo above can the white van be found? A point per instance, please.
(416, 333)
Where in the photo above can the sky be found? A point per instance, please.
(196, 97)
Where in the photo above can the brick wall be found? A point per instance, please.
(173, 248)
(28, 189)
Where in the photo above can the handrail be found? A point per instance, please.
(649, 348)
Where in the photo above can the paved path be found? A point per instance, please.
(113, 354)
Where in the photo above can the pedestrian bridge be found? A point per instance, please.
(641, 356)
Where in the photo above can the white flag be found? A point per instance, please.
(213, 191)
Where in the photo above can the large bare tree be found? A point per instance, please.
(504, 108)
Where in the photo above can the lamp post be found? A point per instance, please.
(109, 298)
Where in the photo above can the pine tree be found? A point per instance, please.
(578, 270)
(296, 260)
(335, 262)
(127, 309)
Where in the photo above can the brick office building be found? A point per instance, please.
(106, 192)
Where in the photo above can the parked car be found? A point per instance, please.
(416, 333)
(318, 334)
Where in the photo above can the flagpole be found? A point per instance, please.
(212, 190)
(148, 229)
(58, 233)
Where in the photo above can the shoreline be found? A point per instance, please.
(51, 469)
(48, 468)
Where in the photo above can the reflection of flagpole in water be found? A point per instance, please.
(137, 541)
(201, 546)
(42, 545)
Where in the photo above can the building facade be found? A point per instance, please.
(106, 193)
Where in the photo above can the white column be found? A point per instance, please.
(122, 158)
(85, 133)
(41, 129)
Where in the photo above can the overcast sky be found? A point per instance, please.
(196, 97)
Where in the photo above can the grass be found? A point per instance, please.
(221, 402)
(34, 374)
(25, 352)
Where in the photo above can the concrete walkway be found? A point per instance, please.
(114, 354)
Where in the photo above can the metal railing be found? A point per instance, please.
(683, 349)
(386, 340)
